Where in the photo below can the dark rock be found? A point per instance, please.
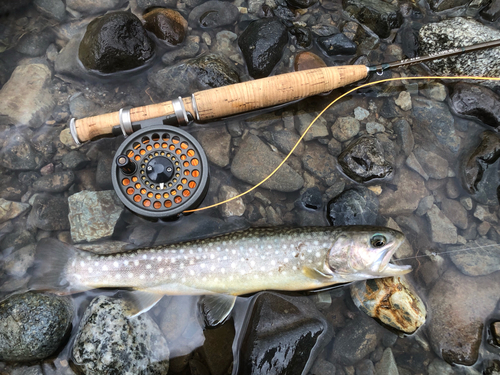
(365, 367)
(75, 160)
(301, 3)
(379, 16)
(33, 326)
(491, 367)
(18, 153)
(491, 12)
(460, 304)
(18, 262)
(303, 36)
(440, 5)
(28, 178)
(476, 102)
(434, 165)
(17, 240)
(9, 6)
(216, 142)
(405, 136)
(10, 188)
(188, 50)
(167, 24)
(49, 213)
(172, 81)
(312, 198)
(337, 44)
(103, 172)
(357, 206)
(284, 13)
(364, 160)
(284, 335)
(479, 173)
(213, 70)
(356, 340)
(455, 33)
(217, 349)
(255, 160)
(322, 367)
(110, 341)
(284, 140)
(435, 122)
(36, 43)
(320, 163)
(262, 45)
(92, 6)
(115, 42)
(442, 229)
(212, 14)
(147, 4)
(54, 183)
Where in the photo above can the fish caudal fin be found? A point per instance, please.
(51, 259)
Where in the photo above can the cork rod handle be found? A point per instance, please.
(233, 99)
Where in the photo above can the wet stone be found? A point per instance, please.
(92, 6)
(235, 207)
(320, 163)
(52, 8)
(392, 301)
(217, 348)
(262, 45)
(49, 213)
(460, 32)
(26, 98)
(403, 101)
(442, 229)
(338, 44)
(405, 136)
(323, 367)
(345, 128)
(103, 171)
(364, 160)
(54, 183)
(17, 240)
(75, 160)
(167, 24)
(439, 367)
(255, 160)
(307, 60)
(491, 12)
(93, 214)
(188, 50)
(284, 332)
(33, 326)
(452, 189)
(301, 3)
(212, 14)
(115, 42)
(357, 206)
(213, 70)
(479, 172)
(481, 257)
(317, 130)
(147, 4)
(36, 43)
(10, 210)
(312, 198)
(216, 142)
(434, 165)
(17, 263)
(476, 102)
(455, 212)
(284, 140)
(109, 341)
(379, 16)
(374, 127)
(456, 336)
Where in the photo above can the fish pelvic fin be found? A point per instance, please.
(139, 301)
(315, 274)
(51, 260)
(216, 308)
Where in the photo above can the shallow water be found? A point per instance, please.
(263, 207)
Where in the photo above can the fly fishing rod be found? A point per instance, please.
(243, 97)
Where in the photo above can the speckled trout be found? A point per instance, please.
(234, 264)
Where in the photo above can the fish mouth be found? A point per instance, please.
(390, 269)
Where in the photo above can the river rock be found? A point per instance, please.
(93, 214)
(75, 160)
(52, 8)
(262, 45)
(380, 16)
(254, 161)
(49, 213)
(442, 229)
(405, 136)
(479, 171)
(149, 4)
(212, 14)
(54, 183)
(460, 32)
(320, 163)
(9, 6)
(110, 341)
(10, 210)
(167, 24)
(460, 304)
(17, 263)
(33, 326)
(391, 300)
(476, 258)
(403, 201)
(337, 44)
(356, 206)
(364, 160)
(216, 142)
(476, 102)
(26, 98)
(235, 207)
(115, 42)
(188, 50)
(213, 70)
(434, 165)
(285, 140)
(455, 212)
(491, 12)
(307, 60)
(92, 6)
(284, 335)
(317, 130)
(301, 3)
(35, 43)
(345, 128)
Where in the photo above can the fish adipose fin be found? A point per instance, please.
(139, 301)
(315, 274)
(216, 308)
(51, 259)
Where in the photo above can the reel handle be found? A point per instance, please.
(229, 100)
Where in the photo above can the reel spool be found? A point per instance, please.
(160, 171)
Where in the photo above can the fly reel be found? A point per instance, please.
(160, 171)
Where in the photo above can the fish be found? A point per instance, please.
(238, 263)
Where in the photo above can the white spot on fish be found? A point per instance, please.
(136, 262)
(190, 251)
(89, 258)
(159, 259)
(116, 264)
(181, 251)
(174, 276)
(82, 263)
(273, 263)
(104, 268)
(204, 279)
(317, 254)
(233, 265)
(181, 265)
(212, 256)
(223, 270)
(151, 275)
(130, 275)
(191, 273)
(183, 280)
(233, 251)
(142, 276)
(212, 268)
(161, 270)
(252, 263)
(285, 260)
(294, 268)
(144, 256)
(91, 269)
(148, 266)
(202, 265)
(316, 243)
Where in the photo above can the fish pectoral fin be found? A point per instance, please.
(314, 273)
(140, 301)
(216, 308)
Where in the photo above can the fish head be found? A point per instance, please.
(364, 252)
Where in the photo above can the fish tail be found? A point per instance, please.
(51, 261)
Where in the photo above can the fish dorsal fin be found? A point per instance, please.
(314, 273)
(139, 301)
(216, 308)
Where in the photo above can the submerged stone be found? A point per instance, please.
(262, 45)
(301, 3)
(476, 258)
(213, 70)
(338, 44)
(115, 42)
(307, 60)
(381, 17)
(93, 6)
(49, 213)
(10, 209)
(391, 300)
(167, 24)
(212, 14)
(357, 206)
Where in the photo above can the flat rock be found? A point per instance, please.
(285, 140)
(49, 213)
(167, 24)
(442, 229)
(10, 210)
(216, 142)
(317, 130)
(93, 6)
(405, 136)
(403, 201)
(93, 214)
(212, 14)
(379, 16)
(110, 341)
(254, 161)
(460, 304)
(455, 212)
(434, 165)
(54, 183)
(476, 258)
(236, 207)
(26, 98)
(320, 163)
(33, 326)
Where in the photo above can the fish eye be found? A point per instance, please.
(378, 240)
